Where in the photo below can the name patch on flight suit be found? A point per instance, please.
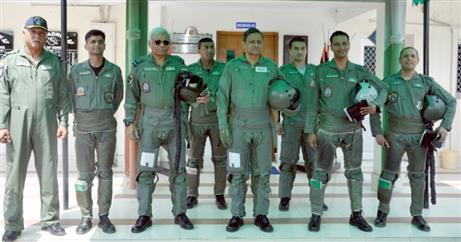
(216, 73)
(261, 69)
(332, 76)
(145, 87)
(150, 69)
(82, 73)
(327, 92)
(352, 80)
(47, 68)
(108, 97)
(108, 75)
(80, 91)
(170, 68)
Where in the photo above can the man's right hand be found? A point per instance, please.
(279, 129)
(312, 140)
(5, 136)
(132, 132)
(226, 138)
(382, 141)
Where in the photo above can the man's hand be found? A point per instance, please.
(312, 140)
(226, 138)
(279, 129)
(61, 133)
(442, 134)
(204, 99)
(382, 141)
(371, 109)
(5, 136)
(132, 132)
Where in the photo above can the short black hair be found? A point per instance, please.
(337, 33)
(251, 31)
(296, 39)
(204, 40)
(95, 32)
(408, 48)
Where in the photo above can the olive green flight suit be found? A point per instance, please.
(34, 96)
(336, 91)
(294, 136)
(152, 86)
(95, 101)
(204, 123)
(405, 127)
(243, 109)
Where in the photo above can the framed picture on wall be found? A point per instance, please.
(286, 41)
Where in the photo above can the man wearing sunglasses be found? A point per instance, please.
(151, 84)
(34, 107)
(204, 123)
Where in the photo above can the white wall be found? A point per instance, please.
(444, 34)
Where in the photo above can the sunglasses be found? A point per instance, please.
(165, 42)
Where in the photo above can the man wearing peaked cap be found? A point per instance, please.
(36, 22)
(34, 96)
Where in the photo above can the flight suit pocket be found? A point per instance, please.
(49, 76)
(82, 96)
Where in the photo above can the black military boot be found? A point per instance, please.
(106, 225)
(142, 223)
(221, 202)
(10, 236)
(284, 204)
(191, 202)
(263, 223)
(183, 221)
(314, 224)
(381, 218)
(55, 229)
(420, 223)
(234, 224)
(84, 226)
(358, 221)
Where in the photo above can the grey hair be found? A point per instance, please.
(157, 31)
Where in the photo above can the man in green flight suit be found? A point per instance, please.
(97, 90)
(34, 96)
(299, 75)
(407, 91)
(245, 128)
(204, 123)
(336, 82)
(151, 83)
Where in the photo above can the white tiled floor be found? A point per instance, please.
(444, 218)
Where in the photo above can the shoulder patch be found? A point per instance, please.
(137, 62)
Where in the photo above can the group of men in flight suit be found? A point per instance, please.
(236, 108)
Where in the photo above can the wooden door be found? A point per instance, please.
(229, 45)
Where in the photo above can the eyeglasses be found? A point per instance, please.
(165, 42)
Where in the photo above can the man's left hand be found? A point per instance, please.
(204, 99)
(371, 109)
(442, 134)
(61, 133)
